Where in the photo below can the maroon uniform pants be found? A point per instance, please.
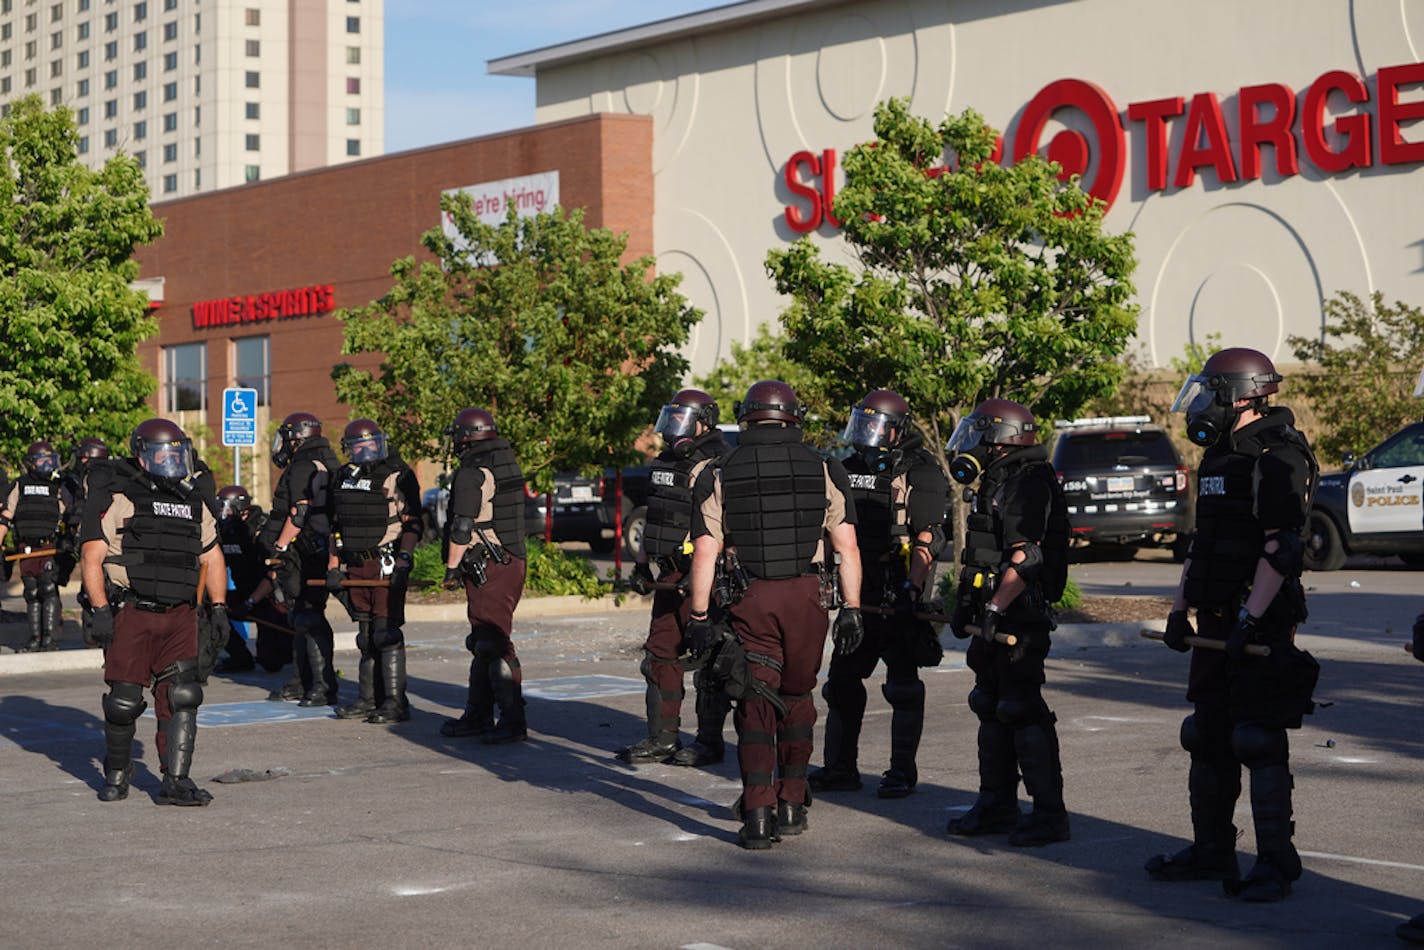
(145, 645)
(782, 620)
(671, 611)
(388, 602)
(491, 608)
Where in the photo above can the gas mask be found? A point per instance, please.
(877, 458)
(1208, 417)
(968, 465)
(281, 450)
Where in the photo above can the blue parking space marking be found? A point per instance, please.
(563, 688)
(257, 711)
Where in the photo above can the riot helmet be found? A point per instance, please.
(679, 418)
(994, 423)
(89, 449)
(470, 426)
(363, 442)
(294, 430)
(770, 400)
(162, 450)
(235, 501)
(1209, 397)
(878, 421)
(42, 460)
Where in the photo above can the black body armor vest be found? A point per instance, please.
(314, 532)
(246, 557)
(505, 516)
(882, 521)
(985, 549)
(1230, 538)
(160, 545)
(360, 506)
(36, 515)
(670, 495)
(774, 502)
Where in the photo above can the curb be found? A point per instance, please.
(60, 661)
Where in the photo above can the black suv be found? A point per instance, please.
(1125, 483)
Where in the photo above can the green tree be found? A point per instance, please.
(70, 321)
(976, 279)
(1362, 371)
(536, 319)
(765, 358)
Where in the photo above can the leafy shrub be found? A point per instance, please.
(948, 591)
(552, 570)
(429, 565)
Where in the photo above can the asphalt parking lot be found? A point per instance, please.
(394, 836)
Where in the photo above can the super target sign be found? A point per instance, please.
(1369, 132)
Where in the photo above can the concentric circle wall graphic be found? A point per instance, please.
(661, 82)
(710, 276)
(819, 77)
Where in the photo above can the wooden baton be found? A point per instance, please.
(1252, 649)
(47, 552)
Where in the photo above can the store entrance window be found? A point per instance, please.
(252, 366)
(185, 377)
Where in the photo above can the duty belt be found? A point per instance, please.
(357, 558)
(670, 563)
(127, 598)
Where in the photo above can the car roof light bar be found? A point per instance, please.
(1100, 421)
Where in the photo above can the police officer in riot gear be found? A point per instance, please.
(485, 555)
(89, 461)
(899, 494)
(35, 510)
(1015, 565)
(691, 442)
(298, 537)
(240, 522)
(149, 542)
(1242, 576)
(376, 524)
(776, 501)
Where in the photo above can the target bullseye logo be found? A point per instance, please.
(1070, 148)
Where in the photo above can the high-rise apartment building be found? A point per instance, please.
(204, 93)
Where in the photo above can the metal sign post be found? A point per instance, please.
(239, 425)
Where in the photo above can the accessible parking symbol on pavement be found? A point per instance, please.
(564, 688)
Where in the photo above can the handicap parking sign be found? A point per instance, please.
(239, 419)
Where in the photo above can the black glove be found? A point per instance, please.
(640, 578)
(989, 623)
(848, 631)
(400, 576)
(960, 620)
(454, 579)
(101, 626)
(1243, 633)
(700, 633)
(1419, 638)
(907, 601)
(288, 574)
(1178, 629)
(334, 577)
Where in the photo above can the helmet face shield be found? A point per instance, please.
(869, 429)
(968, 434)
(1195, 395)
(366, 449)
(44, 463)
(233, 506)
(677, 422)
(167, 459)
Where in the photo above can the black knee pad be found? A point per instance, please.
(31, 589)
(485, 649)
(384, 636)
(650, 663)
(1256, 746)
(47, 588)
(184, 696)
(1016, 714)
(363, 637)
(1192, 737)
(904, 693)
(843, 691)
(307, 620)
(982, 703)
(123, 704)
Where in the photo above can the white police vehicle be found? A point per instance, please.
(1375, 505)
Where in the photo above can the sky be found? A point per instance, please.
(437, 89)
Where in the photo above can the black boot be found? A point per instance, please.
(1277, 863)
(394, 707)
(510, 699)
(655, 748)
(116, 782)
(34, 613)
(178, 788)
(758, 829)
(295, 688)
(996, 810)
(845, 710)
(319, 644)
(713, 704)
(478, 717)
(907, 721)
(53, 623)
(1037, 750)
(791, 818)
(1411, 931)
(366, 682)
(1213, 785)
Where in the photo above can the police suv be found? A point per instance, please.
(1125, 483)
(1374, 506)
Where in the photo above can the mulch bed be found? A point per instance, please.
(1117, 610)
